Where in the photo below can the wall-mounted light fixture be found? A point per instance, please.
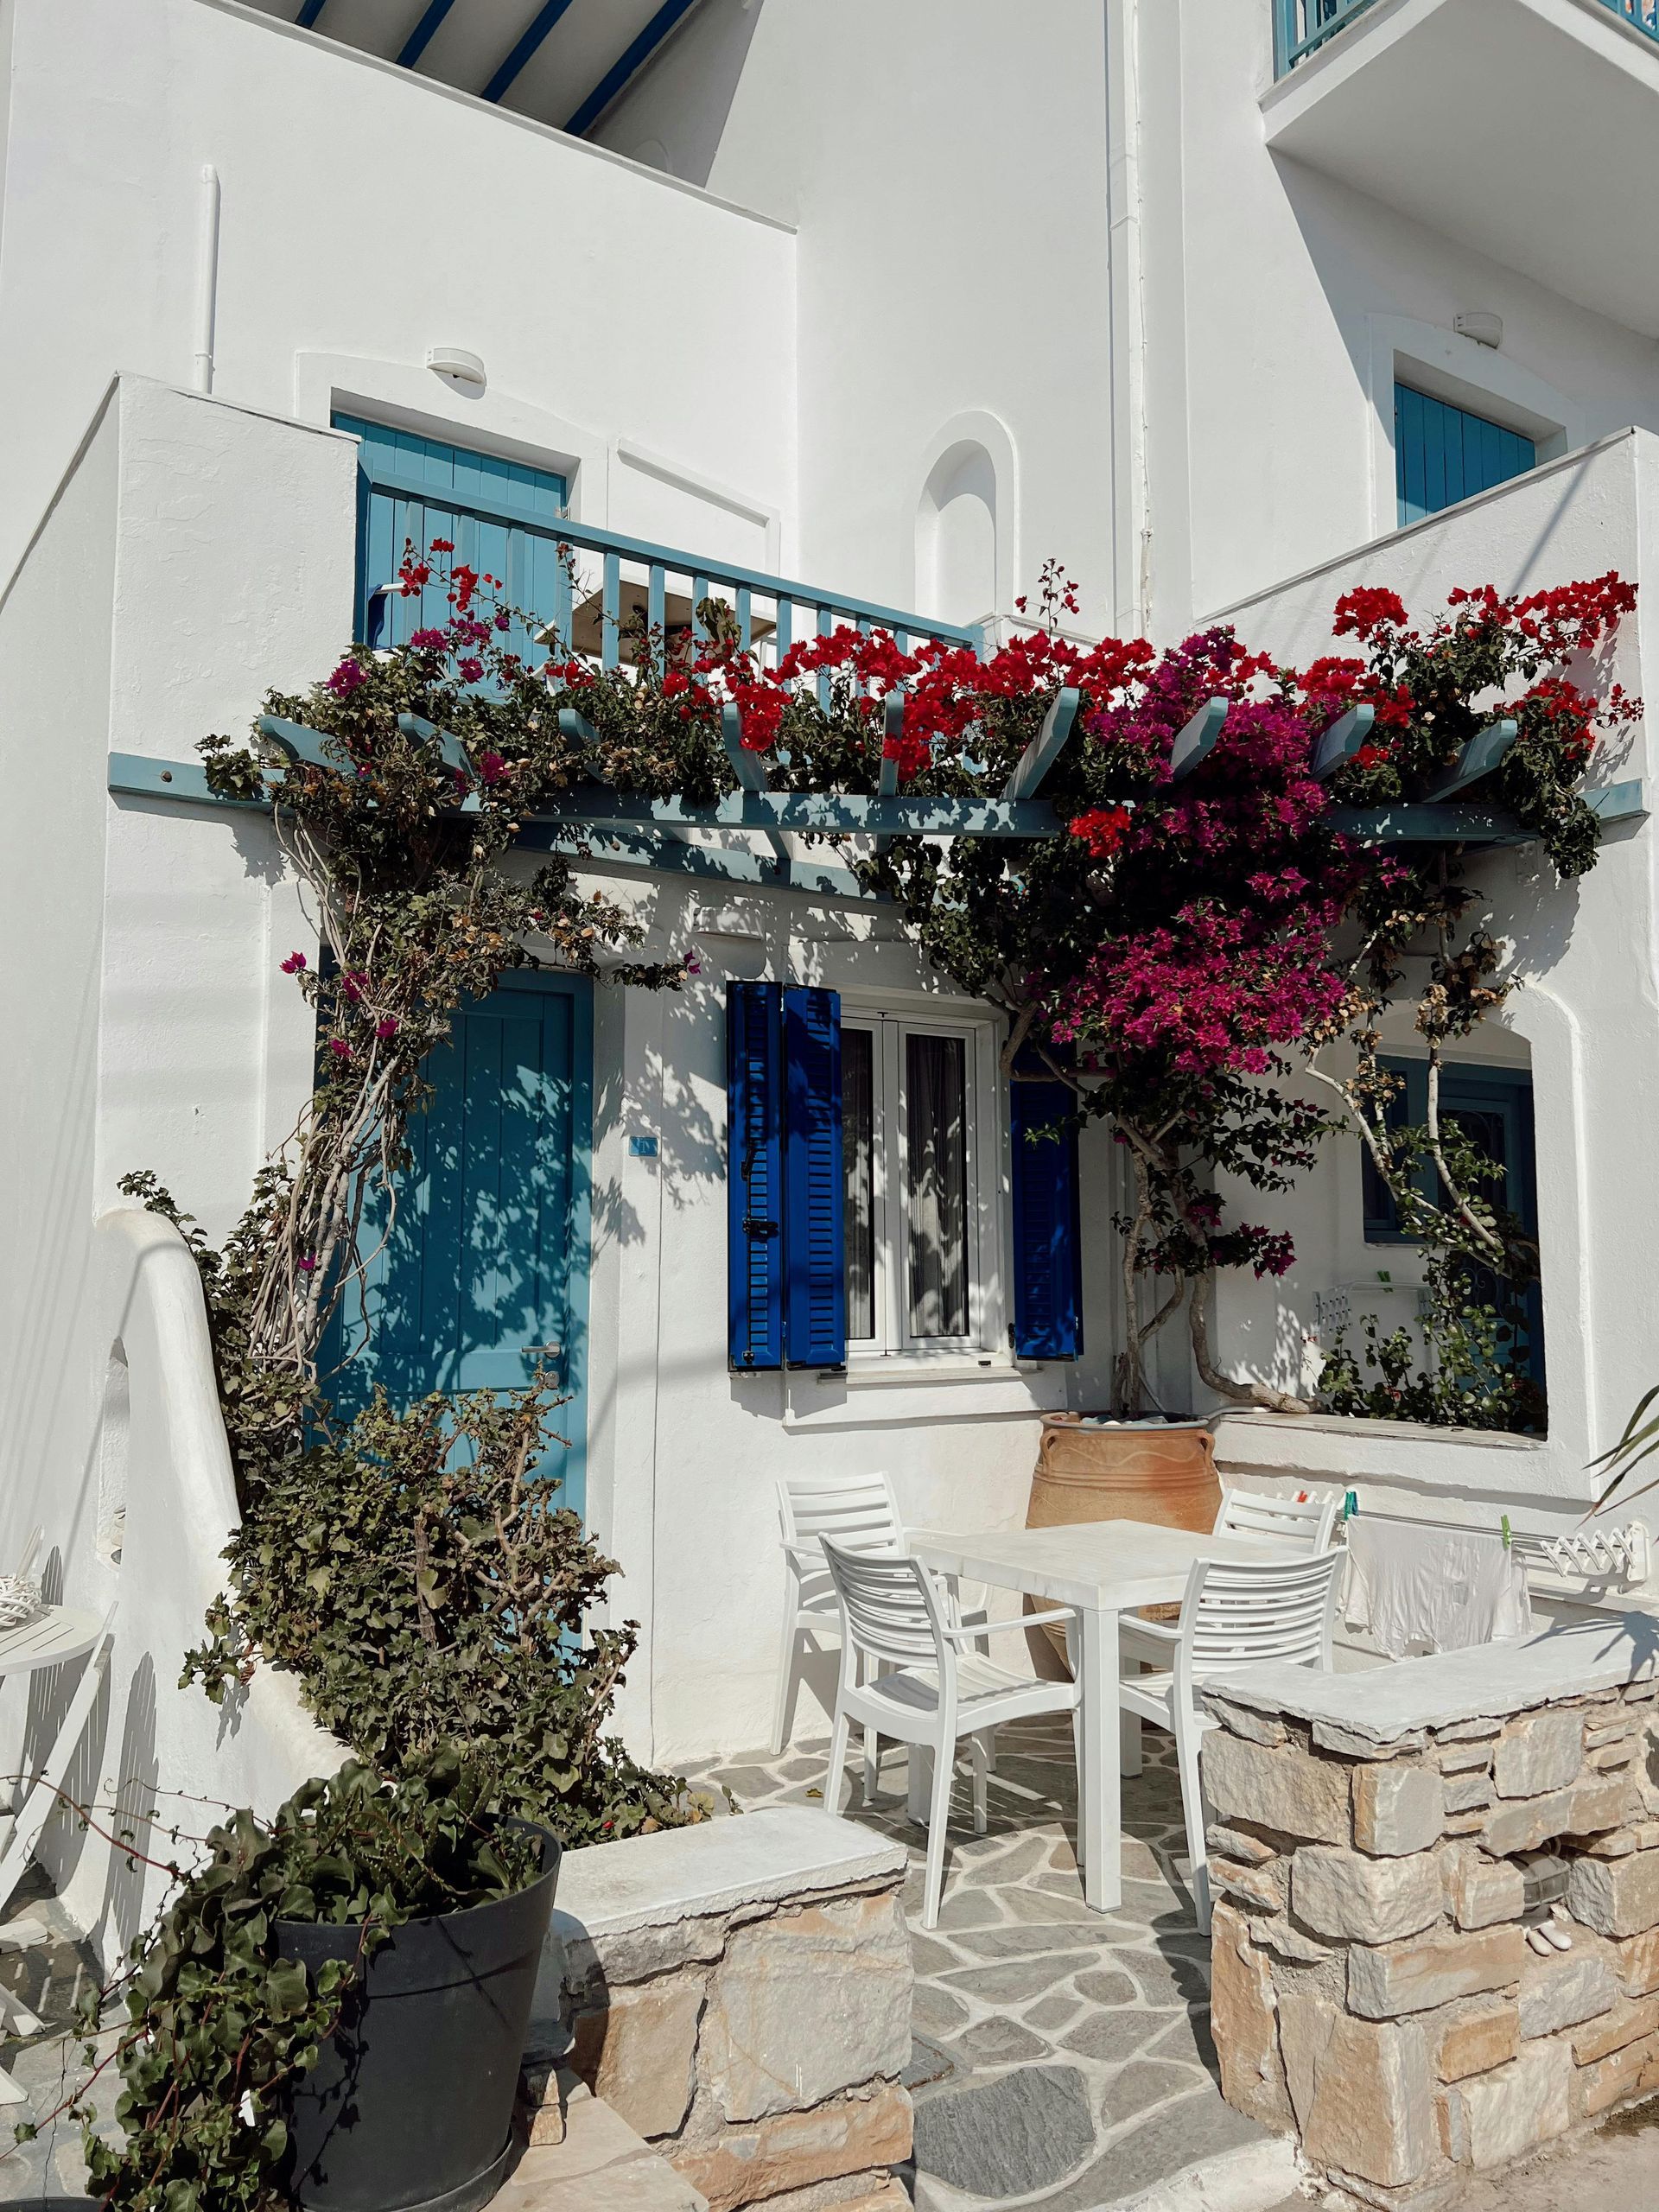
(1484, 329)
(457, 366)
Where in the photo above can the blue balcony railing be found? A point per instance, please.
(1302, 27)
(596, 590)
(1641, 14)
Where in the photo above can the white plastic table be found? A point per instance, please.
(1103, 1568)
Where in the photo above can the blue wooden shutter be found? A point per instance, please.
(814, 1183)
(754, 1173)
(1047, 1284)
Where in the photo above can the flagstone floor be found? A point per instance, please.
(50, 1978)
(1060, 2059)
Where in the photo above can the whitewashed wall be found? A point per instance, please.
(945, 171)
(135, 1001)
(367, 215)
(1584, 1019)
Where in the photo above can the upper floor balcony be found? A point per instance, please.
(1520, 128)
(562, 62)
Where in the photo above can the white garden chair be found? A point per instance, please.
(58, 1637)
(1306, 1524)
(894, 1617)
(860, 1513)
(1236, 1613)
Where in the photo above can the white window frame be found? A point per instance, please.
(892, 1025)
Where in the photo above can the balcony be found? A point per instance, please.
(1520, 128)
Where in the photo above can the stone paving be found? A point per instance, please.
(50, 1977)
(1061, 2059)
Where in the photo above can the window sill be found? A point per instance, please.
(877, 1370)
(923, 1387)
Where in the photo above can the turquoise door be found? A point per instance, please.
(485, 1270)
(411, 490)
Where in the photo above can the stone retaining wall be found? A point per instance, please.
(740, 1993)
(1375, 1990)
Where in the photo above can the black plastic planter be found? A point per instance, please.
(409, 2107)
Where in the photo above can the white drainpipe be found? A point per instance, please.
(1131, 497)
(207, 279)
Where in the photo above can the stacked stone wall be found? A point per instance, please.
(758, 2048)
(1375, 1990)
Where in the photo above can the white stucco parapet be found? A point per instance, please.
(1384, 1704)
(785, 1853)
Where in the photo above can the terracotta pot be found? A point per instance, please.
(1162, 1472)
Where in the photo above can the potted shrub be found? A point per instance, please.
(331, 2009)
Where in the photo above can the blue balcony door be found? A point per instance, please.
(1443, 453)
(494, 544)
(485, 1269)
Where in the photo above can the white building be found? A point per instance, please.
(897, 301)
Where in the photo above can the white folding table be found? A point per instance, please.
(1103, 1568)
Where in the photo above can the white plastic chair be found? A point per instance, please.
(1236, 1613)
(894, 1616)
(1306, 1524)
(1309, 1523)
(861, 1515)
(60, 1636)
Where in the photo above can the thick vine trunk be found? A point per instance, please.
(1259, 1395)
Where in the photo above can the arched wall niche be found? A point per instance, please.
(964, 549)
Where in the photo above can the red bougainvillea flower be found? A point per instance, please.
(442, 545)
(340, 1048)
(471, 671)
(347, 678)
(1364, 611)
(293, 964)
(306, 1264)
(1102, 829)
(491, 767)
(428, 641)
(464, 582)
(386, 1028)
(351, 984)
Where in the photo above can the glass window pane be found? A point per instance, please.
(858, 1155)
(936, 1147)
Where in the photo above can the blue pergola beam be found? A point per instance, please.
(309, 10)
(627, 66)
(184, 783)
(746, 766)
(824, 813)
(449, 746)
(298, 741)
(524, 50)
(1479, 758)
(1338, 744)
(892, 729)
(421, 37)
(136, 775)
(1046, 747)
(1197, 739)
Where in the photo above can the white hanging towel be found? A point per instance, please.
(1421, 1589)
